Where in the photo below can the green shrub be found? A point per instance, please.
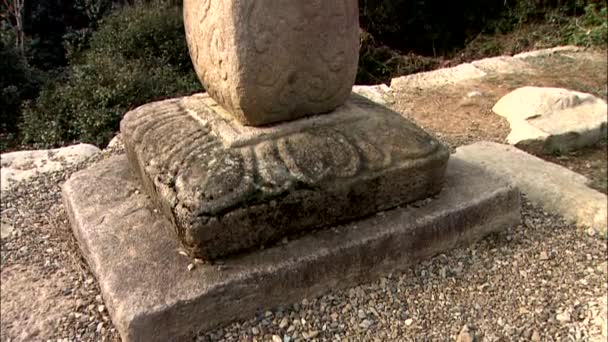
(113, 77)
(153, 35)
(434, 27)
(18, 82)
(591, 29)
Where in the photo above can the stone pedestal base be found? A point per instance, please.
(152, 296)
(230, 188)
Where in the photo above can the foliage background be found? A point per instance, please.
(86, 62)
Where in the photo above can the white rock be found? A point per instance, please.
(366, 324)
(6, 230)
(553, 119)
(284, 323)
(475, 70)
(552, 186)
(475, 93)
(115, 142)
(380, 93)
(535, 336)
(465, 335)
(437, 78)
(601, 320)
(503, 65)
(563, 317)
(22, 165)
(548, 52)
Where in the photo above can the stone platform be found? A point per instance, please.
(230, 188)
(152, 296)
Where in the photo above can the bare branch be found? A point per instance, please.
(14, 16)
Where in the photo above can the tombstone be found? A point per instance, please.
(279, 150)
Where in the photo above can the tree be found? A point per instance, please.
(13, 14)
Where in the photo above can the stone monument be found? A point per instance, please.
(278, 146)
(278, 149)
(271, 61)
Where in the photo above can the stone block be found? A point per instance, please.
(549, 51)
(20, 166)
(554, 187)
(152, 296)
(504, 65)
(553, 120)
(230, 188)
(381, 93)
(459, 74)
(274, 60)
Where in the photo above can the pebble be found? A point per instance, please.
(361, 314)
(535, 336)
(465, 335)
(284, 323)
(6, 230)
(366, 323)
(311, 334)
(439, 293)
(563, 317)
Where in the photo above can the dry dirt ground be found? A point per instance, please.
(458, 119)
(543, 280)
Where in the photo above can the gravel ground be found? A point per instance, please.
(47, 292)
(544, 280)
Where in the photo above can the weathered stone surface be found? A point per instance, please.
(438, 78)
(229, 188)
(22, 165)
(270, 61)
(115, 142)
(549, 51)
(151, 295)
(503, 65)
(381, 93)
(553, 119)
(552, 186)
